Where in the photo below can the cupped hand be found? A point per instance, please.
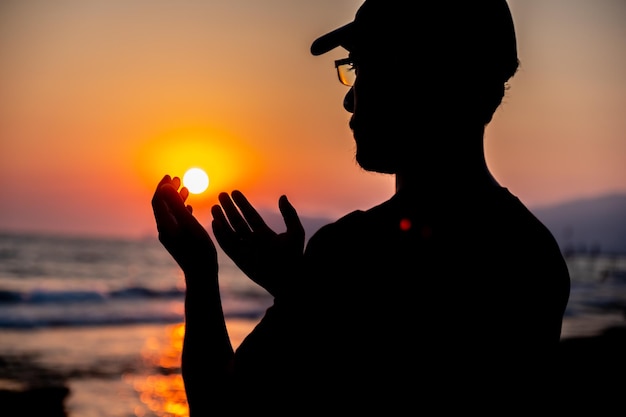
(268, 258)
(179, 231)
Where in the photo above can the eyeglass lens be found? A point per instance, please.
(346, 72)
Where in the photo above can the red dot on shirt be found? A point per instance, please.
(405, 225)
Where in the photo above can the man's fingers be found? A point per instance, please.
(184, 193)
(170, 197)
(219, 219)
(222, 230)
(291, 218)
(252, 216)
(232, 213)
(165, 180)
(165, 222)
(171, 182)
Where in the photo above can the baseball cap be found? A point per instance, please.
(479, 31)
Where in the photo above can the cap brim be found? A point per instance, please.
(339, 37)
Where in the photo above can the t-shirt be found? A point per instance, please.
(456, 302)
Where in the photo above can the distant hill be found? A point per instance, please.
(591, 224)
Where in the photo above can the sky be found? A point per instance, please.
(100, 98)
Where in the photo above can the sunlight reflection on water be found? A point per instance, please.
(161, 388)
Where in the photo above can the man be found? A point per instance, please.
(448, 295)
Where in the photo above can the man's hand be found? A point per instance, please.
(268, 258)
(180, 232)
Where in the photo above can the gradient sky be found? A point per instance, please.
(100, 98)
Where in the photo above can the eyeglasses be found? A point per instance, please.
(346, 71)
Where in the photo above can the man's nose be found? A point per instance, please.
(348, 100)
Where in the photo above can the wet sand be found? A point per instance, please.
(104, 372)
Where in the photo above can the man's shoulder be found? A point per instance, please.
(346, 222)
(357, 219)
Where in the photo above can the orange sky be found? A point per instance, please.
(99, 99)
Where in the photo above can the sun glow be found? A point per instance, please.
(196, 180)
(229, 161)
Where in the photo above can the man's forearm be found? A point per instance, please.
(207, 356)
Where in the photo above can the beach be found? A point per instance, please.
(103, 320)
(111, 371)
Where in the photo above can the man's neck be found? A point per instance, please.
(458, 168)
(434, 183)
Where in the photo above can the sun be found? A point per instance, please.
(196, 180)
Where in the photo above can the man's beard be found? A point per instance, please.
(376, 159)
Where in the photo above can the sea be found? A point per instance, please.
(105, 317)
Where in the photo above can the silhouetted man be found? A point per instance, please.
(449, 295)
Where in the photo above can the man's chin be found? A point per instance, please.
(375, 163)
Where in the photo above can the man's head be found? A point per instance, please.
(420, 66)
(455, 31)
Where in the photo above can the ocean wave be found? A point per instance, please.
(64, 321)
(34, 319)
(38, 296)
(133, 305)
